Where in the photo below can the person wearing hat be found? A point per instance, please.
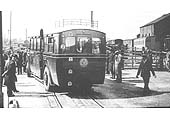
(118, 66)
(111, 64)
(9, 75)
(144, 70)
(107, 62)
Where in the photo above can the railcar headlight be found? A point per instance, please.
(83, 62)
(69, 83)
(63, 46)
(70, 71)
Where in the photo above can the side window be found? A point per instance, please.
(50, 43)
(45, 44)
(56, 44)
(38, 44)
(96, 46)
(32, 44)
(35, 45)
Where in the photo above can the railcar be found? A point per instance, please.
(68, 59)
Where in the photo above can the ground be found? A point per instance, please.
(128, 94)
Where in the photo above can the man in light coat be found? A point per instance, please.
(118, 66)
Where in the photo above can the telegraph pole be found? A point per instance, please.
(10, 28)
(1, 93)
(92, 22)
(26, 34)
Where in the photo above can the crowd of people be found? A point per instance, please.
(115, 63)
(12, 63)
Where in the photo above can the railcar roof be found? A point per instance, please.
(78, 29)
(59, 32)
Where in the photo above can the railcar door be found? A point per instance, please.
(36, 57)
(35, 66)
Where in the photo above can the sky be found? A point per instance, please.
(117, 18)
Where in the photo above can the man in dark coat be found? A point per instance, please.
(20, 61)
(107, 62)
(24, 61)
(112, 64)
(10, 77)
(145, 68)
(87, 47)
(3, 59)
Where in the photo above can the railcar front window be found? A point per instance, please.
(70, 45)
(96, 46)
(81, 45)
(84, 45)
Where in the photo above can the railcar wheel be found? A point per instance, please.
(47, 82)
(46, 79)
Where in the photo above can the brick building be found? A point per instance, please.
(153, 34)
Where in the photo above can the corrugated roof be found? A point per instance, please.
(158, 19)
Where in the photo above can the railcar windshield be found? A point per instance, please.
(82, 45)
(70, 43)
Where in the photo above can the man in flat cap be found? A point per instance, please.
(144, 69)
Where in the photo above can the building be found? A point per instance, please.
(128, 43)
(153, 34)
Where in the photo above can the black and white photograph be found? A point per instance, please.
(85, 54)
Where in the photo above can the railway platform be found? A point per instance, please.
(128, 94)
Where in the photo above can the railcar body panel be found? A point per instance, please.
(78, 69)
(73, 58)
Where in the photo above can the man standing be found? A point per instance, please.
(3, 59)
(112, 64)
(24, 61)
(107, 62)
(118, 66)
(145, 68)
(19, 63)
(10, 77)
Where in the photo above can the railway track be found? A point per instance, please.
(76, 101)
(128, 94)
(67, 100)
(100, 96)
(64, 100)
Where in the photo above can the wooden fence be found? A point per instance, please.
(132, 60)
